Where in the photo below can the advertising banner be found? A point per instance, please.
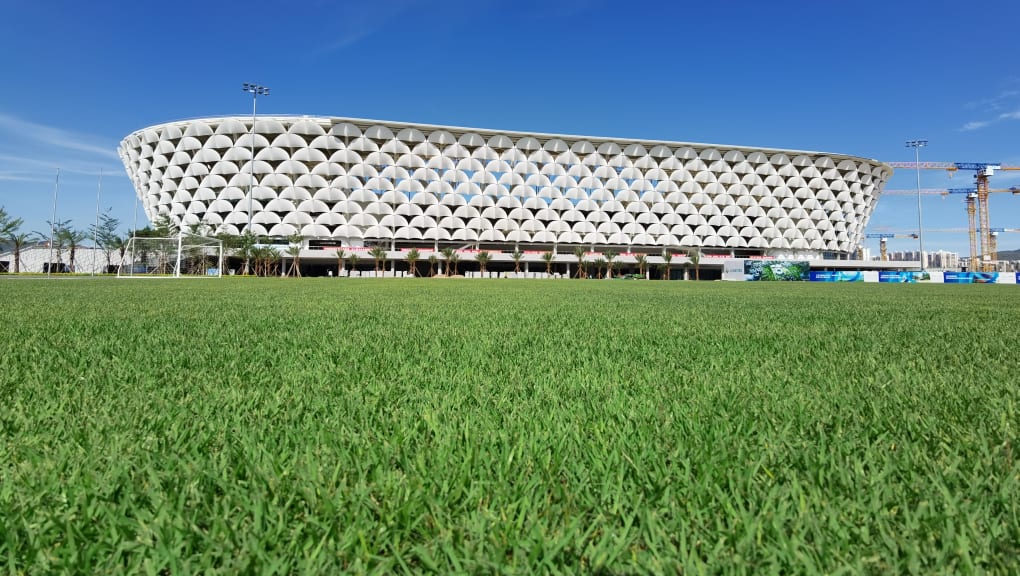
(837, 276)
(775, 270)
(901, 277)
(970, 277)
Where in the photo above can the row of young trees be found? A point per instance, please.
(605, 262)
(65, 238)
(262, 259)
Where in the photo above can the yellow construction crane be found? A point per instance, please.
(971, 202)
(993, 235)
(883, 236)
(982, 171)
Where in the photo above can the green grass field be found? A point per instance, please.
(319, 425)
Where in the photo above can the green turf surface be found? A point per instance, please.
(319, 425)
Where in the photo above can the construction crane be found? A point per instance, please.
(982, 171)
(993, 233)
(971, 200)
(883, 236)
(944, 191)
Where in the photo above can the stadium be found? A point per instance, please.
(358, 184)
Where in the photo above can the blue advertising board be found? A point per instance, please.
(899, 276)
(836, 276)
(970, 277)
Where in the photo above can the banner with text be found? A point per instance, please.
(837, 276)
(901, 277)
(970, 277)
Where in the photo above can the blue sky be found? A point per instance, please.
(846, 77)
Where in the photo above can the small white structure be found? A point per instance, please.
(40, 258)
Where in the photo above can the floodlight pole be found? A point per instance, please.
(256, 91)
(53, 220)
(95, 232)
(917, 145)
(180, 246)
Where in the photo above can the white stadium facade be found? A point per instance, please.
(352, 183)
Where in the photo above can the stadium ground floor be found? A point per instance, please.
(360, 261)
(532, 263)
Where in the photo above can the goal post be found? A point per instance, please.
(182, 256)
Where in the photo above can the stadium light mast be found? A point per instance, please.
(256, 90)
(53, 222)
(917, 145)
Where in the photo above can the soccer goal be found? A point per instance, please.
(186, 255)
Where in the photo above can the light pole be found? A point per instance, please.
(917, 145)
(256, 91)
(53, 222)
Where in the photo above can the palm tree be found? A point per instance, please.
(352, 262)
(599, 263)
(642, 264)
(272, 260)
(448, 255)
(73, 239)
(294, 251)
(245, 243)
(8, 230)
(8, 226)
(340, 261)
(610, 256)
(412, 261)
(547, 257)
(667, 258)
(582, 271)
(454, 259)
(694, 255)
(379, 253)
(18, 242)
(266, 259)
(433, 260)
(483, 259)
(258, 258)
(517, 255)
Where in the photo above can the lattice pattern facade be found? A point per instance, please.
(368, 182)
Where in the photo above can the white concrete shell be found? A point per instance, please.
(367, 181)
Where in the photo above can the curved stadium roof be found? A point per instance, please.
(367, 181)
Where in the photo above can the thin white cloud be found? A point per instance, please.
(56, 137)
(993, 103)
(18, 177)
(360, 21)
(35, 166)
(978, 124)
(975, 125)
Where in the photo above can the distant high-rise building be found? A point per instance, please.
(944, 260)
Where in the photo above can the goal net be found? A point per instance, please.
(187, 255)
